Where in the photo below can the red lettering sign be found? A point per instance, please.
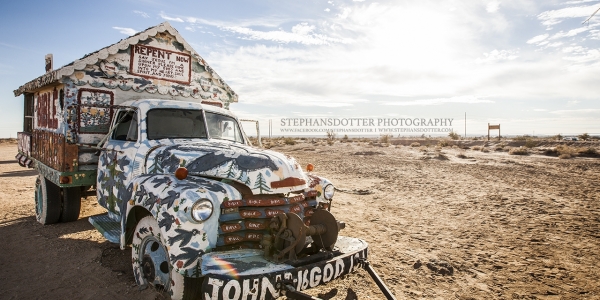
(250, 213)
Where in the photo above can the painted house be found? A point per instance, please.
(70, 108)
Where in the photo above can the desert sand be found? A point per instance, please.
(445, 223)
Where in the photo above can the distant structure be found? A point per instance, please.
(493, 127)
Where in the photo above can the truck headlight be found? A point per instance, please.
(202, 210)
(328, 191)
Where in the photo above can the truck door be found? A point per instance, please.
(116, 165)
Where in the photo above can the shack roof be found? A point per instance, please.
(93, 58)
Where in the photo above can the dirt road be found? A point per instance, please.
(486, 226)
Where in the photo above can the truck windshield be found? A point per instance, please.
(175, 124)
(223, 127)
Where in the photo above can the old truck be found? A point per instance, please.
(145, 123)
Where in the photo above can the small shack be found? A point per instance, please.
(70, 108)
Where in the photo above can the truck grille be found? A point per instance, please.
(243, 223)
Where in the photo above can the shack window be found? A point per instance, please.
(175, 124)
(28, 112)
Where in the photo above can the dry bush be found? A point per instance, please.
(453, 135)
(385, 138)
(289, 141)
(530, 143)
(476, 148)
(443, 143)
(485, 150)
(415, 144)
(423, 149)
(566, 151)
(518, 151)
(588, 152)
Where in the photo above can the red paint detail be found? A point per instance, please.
(255, 225)
(231, 227)
(250, 213)
(288, 182)
(232, 203)
(273, 212)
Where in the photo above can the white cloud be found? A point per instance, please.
(141, 13)
(496, 55)
(327, 10)
(165, 17)
(438, 101)
(570, 33)
(492, 6)
(127, 31)
(537, 39)
(301, 33)
(576, 112)
(553, 17)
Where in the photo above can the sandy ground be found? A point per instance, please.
(487, 226)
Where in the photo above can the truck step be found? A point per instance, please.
(109, 228)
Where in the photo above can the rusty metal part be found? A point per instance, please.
(324, 229)
(289, 234)
(380, 283)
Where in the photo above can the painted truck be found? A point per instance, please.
(145, 123)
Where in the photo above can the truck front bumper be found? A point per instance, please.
(245, 274)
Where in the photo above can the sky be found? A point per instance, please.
(531, 66)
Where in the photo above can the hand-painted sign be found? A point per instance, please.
(267, 286)
(160, 64)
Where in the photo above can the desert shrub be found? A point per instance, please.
(485, 150)
(529, 143)
(566, 151)
(551, 152)
(330, 135)
(522, 137)
(584, 137)
(588, 152)
(385, 138)
(518, 151)
(453, 135)
(565, 156)
(345, 138)
(423, 149)
(289, 141)
(415, 144)
(499, 148)
(476, 148)
(443, 143)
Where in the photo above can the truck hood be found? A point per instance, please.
(263, 171)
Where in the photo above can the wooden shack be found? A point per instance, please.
(69, 110)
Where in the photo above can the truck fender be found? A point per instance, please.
(170, 200)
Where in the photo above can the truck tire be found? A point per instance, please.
(71, 204)
(47, 201)
(151, 265)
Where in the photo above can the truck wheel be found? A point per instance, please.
(151, 266)
(47, 201)
(71, 204)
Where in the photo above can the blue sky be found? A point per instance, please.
(531, 66)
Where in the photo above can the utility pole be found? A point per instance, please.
(465, 124)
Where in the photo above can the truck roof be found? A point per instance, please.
(154, 103)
